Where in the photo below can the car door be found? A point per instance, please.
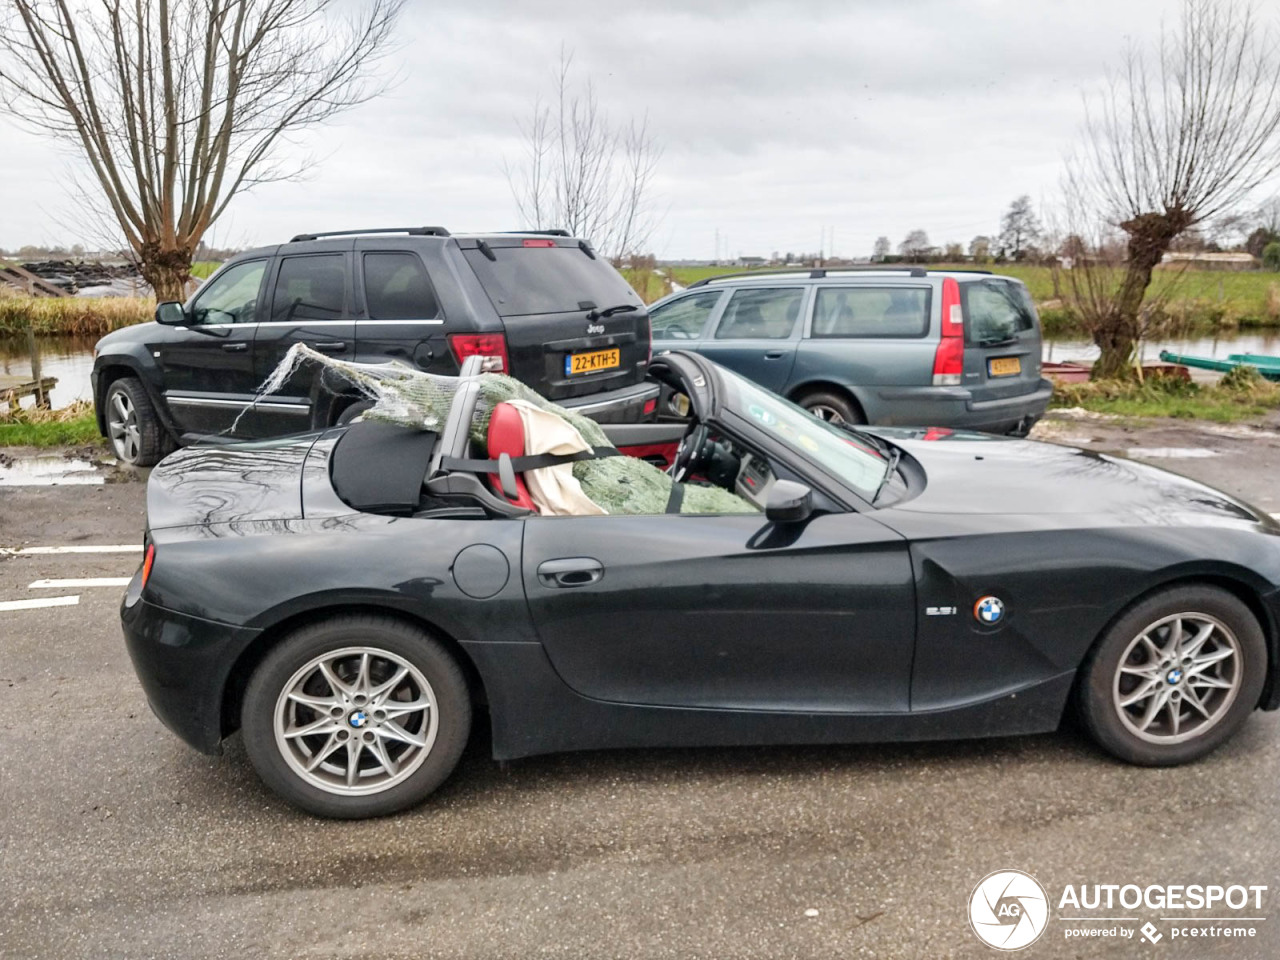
(757, 333)
(725, 611)
(401, 317)
(207, 366)
(310, 302)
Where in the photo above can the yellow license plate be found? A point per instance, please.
(1004, 367)
(592, 362)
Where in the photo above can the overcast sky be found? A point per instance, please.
(778, 120)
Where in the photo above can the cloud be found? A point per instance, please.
(778, 120)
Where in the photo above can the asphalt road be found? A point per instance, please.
(118, 841)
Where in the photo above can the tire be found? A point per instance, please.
(834, 407)
(133, 428)
(351, 411)
(348, 725)
(1178, 731)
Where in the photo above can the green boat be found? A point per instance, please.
(1268, 367)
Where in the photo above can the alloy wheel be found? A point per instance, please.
(122, 427)
(356, 721)
(824, 412)
(1178, 678)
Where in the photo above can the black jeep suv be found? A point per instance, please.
(557, 315)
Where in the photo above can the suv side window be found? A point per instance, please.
(231, 296)
(311, 288)
(871, 312)
(684, 319)
(996, 309)
(754, 314)
(396, 287)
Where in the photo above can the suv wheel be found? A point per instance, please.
(832, 407)
(1174, 677)
(358, 716)
(133, 428)
(351, 411)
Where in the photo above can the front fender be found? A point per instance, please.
(130, 359)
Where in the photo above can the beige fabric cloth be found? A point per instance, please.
(555, 490)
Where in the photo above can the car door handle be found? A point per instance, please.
(774, 355)
(570, 572)
(331, 346)
(239, 347)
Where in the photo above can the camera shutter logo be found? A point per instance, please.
(1008, 910)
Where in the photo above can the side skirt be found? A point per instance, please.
(533, 711)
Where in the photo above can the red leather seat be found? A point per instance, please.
(506, 435)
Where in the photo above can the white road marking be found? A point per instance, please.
(86, 582)
(86, 548)
(32, 604)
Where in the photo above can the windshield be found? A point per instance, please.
(850, 457)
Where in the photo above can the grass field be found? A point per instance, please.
(1240, 395)
(72, 316)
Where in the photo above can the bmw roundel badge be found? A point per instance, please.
(988, 610)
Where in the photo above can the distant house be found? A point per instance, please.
(750, 262)
(1209, 261)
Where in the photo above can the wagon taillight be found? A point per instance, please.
(948, 361)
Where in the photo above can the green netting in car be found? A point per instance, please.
(414, 398)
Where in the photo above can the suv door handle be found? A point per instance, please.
(238, 347)
(774, 355)
(331, 346)
(570, 572)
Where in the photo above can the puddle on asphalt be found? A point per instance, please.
(1171, 453)
(49, 472)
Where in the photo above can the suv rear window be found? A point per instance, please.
(530, 280)
(996, 310)
(871, 312)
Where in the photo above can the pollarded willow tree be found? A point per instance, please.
(177, 106)
(1186, 132)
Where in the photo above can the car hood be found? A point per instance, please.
(229, 483)
(971, 473)
(136, 333)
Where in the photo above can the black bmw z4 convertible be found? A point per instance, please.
(350, 599)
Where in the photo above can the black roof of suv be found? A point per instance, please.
(556, 313)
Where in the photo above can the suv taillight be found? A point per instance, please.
(480, 345)
(948, 361)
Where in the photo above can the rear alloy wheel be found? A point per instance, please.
(832, 407)
(136, 436)
(1175, 677)
(356, 717)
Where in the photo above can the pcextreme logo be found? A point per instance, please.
(1010, 910)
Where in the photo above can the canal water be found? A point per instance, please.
(70, 359)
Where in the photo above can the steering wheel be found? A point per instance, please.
(691, 444)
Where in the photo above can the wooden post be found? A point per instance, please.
(42, 398)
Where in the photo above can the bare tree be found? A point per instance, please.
(916, 246)
(980, 248)
(881, 250)
(581, 172)
(1185, 133)
(1019, 228)
(177, 106)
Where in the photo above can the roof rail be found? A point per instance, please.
(552, 232)
(960, 270)
(412, 231)
(815, 273)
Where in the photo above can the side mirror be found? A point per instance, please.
(171, 313)
(788, 502)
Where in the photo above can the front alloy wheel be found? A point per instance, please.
(358, 716)
(133, 428)
(1174, 677)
